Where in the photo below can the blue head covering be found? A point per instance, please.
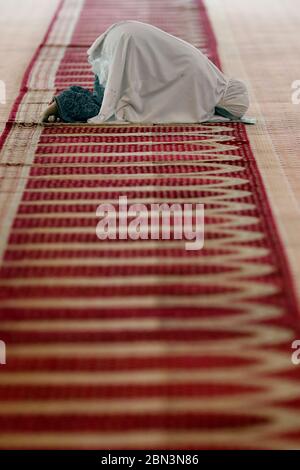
(77, 104)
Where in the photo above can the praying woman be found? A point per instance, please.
(145, 75)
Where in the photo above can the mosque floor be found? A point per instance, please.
(142, 344)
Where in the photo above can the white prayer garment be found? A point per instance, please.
(152, 76)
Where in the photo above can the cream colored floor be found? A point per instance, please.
(22, 27)
(259, 41)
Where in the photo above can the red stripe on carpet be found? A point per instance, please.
(167, 325)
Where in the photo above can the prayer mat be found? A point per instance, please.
(138, 344)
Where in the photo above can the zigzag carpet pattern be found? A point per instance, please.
(138, 344)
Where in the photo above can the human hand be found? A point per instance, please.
(51, 113)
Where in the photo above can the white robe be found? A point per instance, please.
(154, 77)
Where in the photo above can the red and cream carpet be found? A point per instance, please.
(138, 344)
